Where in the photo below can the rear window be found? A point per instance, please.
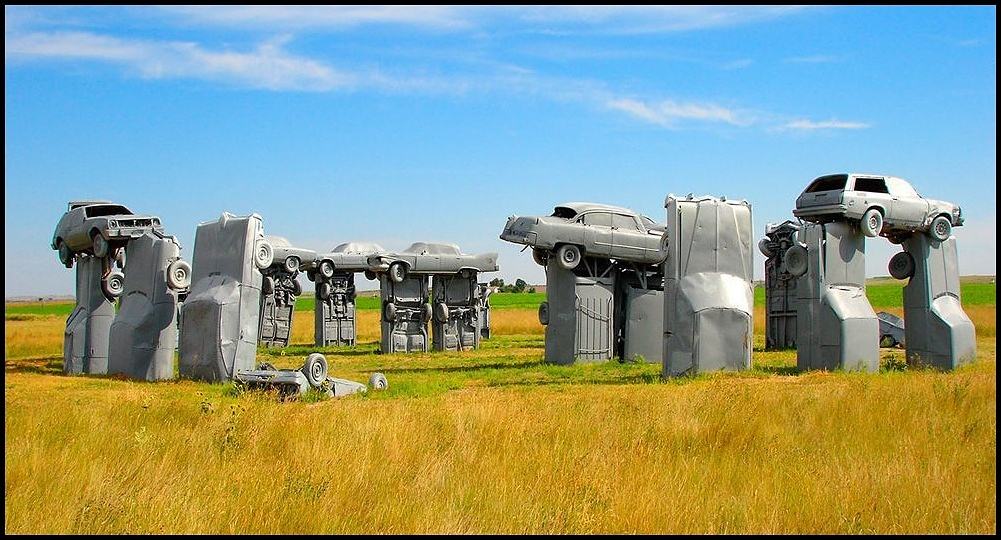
(828, 183)
(564, 212)
(106, 210)
(871, 185)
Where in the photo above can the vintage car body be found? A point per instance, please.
(346, 257)
(597, 230)
(291, 258)
(431, 258)
(860, 197)
(84, 220)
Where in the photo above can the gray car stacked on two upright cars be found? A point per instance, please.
(428, 258)
(97, 228)
(578, 229)
(881, 204)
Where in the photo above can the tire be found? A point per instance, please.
(901, 265)
(941, 228)
(268, 285)
(65, 255)
(795, 260)
(323, 290)
(765, 247)
(101, 246)
(441, 312)
(540, 256)
(315, 369)
(426, 311)
(568, 256)
(296, 287)
(377, 381)
(264, 254)
(544, 313)
(370, 275)
(179, 275)
(326, 269)
(389, 312)
(113, 284)
(292, 264)
(397, 272)
(872, 222)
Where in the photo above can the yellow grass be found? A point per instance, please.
(510, 446)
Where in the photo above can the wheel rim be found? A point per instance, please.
(179, 275)
(873, 222)
(942, 228)
(569, 255)
(316, 371)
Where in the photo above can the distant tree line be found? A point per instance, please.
(520, 285)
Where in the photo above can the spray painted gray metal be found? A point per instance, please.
(891, 330)
(455, 311)
(644, 327)
(220, 317)
(88, 328)
(144, 333)
(836, 326)
(334, 319)
(939, 333)
(707, 285)
(483, 293)
(780, 286)
(405, 313)
(578, 314)
(279, 289)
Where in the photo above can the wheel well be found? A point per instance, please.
(557, 247)
(94, 232)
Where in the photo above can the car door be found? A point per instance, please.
(629, 241)
(873, 191)
(598, 240)
(909, 208)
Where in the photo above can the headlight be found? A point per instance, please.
(112, 223)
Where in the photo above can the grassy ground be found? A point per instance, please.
(494, 440)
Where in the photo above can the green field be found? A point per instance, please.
(882, 294)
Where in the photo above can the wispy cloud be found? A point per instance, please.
(555, 19)
(670, 113)
(334, 17)
(267, 66)
(813, 125)
(813, 59)
(738, 64)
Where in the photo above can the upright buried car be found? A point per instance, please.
(884, 205)
(577, 229)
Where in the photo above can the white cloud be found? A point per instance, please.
(669, 113)
(812, 125)
(302, 17)
(559, 19)
(267, 66)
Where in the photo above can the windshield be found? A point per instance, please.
(564, 212)
(106, 210)
(828, 183)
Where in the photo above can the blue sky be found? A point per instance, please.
(402, 124)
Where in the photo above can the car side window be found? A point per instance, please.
(622, 221)
(899, 188)
(600, 219)
(871, 185)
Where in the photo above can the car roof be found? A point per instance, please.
(580, 207)
(78, 204)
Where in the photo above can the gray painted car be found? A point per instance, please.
(430, 258)
(98, 227)
(579, 229)
(881, 204)
(346, 257)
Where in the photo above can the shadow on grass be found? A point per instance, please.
(46, 365)
(472, 368)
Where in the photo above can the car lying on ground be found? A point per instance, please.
(579, 229)
(882, 205)
(428, 258)
(98, 228)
